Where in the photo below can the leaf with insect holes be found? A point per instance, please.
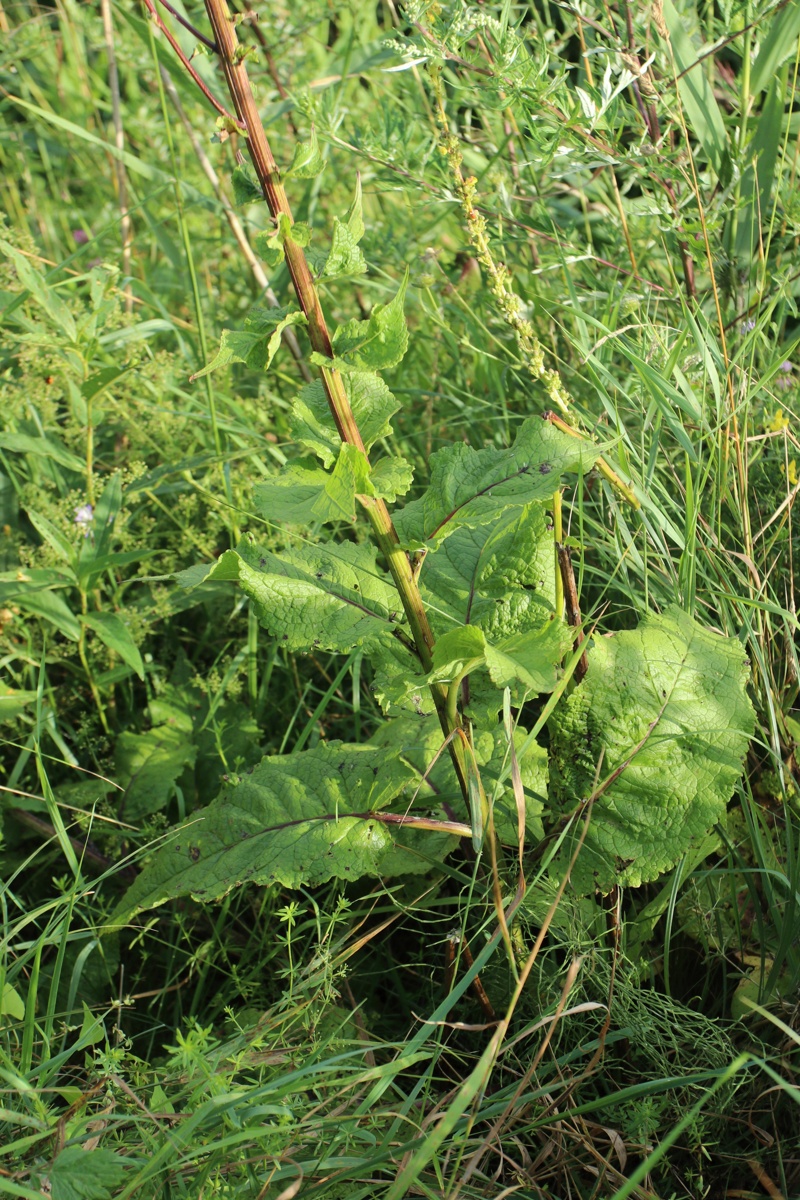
(295, 819)
(664, 711)
(373, 406)
(471, 487)
(329, 597)
(372, 345)
(480, 575)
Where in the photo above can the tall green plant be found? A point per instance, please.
(455, 603)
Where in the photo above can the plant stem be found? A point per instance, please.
(266, 170)
(558, 538)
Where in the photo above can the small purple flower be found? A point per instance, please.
(84, 517)
(81, 237)
(747, 327)
(785, 380)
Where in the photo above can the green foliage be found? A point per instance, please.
(79, 1174)
(297, 819)
(593, 212)
(373, 405)
(327, 597)
(373, 345)
(662, 722)
(472, 487)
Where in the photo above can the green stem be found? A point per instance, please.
(266, 170)
(454, 687)
(85, 664)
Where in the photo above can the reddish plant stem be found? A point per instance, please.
(266, 170)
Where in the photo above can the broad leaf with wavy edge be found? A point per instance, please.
(295, 819)
(664, 712)
(330, 598)
(373, 406)
(472, 487)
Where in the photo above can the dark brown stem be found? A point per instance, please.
(201, 37)
(572, 610)
(210, 97)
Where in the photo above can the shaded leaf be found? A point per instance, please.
(246, 187)
(779, 43)
(43, 447)
(478, 569)
(113, 631)
(697, 95)
(150, 764)
(79, 1174)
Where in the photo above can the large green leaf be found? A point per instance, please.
(478, 568)
(666, 707)
(294, 819)
(327, 597)
(472, 487)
